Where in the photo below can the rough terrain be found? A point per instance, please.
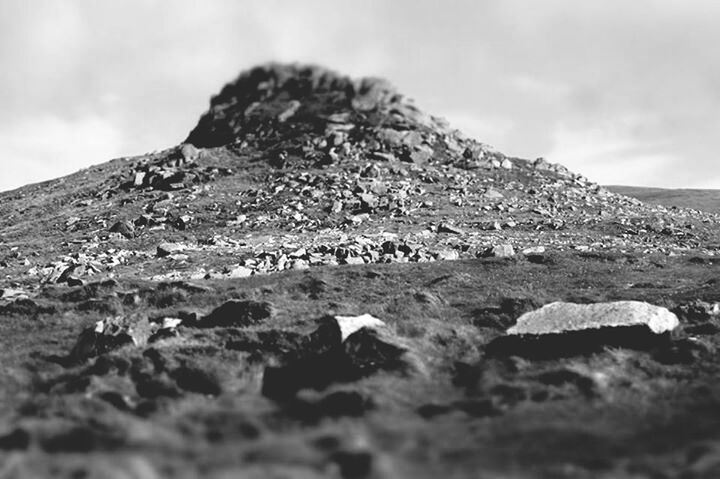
(196, 311)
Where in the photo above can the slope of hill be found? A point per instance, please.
(320, 282)
(704, 200)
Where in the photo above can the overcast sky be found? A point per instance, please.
(624, 92)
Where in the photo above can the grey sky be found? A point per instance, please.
(623, 92)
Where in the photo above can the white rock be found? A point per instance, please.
(349, 324)
(534, 250)
(169, 323)
(448, 255)
(240, 272)
(561, 317)
(502, 251)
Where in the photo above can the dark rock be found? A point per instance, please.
(354, 464)
(237, 313)
(448, 228)
(18, 439)
(103, 337)
(342, 349)
(166, 249)
(199, 380)
(119, 401)
(125, 228)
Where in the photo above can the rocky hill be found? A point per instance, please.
(322, 280)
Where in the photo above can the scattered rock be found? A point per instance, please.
(342, 349)
(189, 152)
(239, 272)
(448, 228)
(533, 250)
(125, 228)
(500, 251)
(167, 249)
(105, 336)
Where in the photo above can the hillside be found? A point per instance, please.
(323, 280)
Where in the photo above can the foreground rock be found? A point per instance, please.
(343, 349)
(560, 317)
(566, 329)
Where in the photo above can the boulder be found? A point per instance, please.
(448, 228)
(561, 317)
(562, 329)
(124, 228)
(166, 249)
(189, 152)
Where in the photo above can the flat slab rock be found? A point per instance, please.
(560, 317)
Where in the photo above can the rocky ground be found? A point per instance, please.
(324, 281)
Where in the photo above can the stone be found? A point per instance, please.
(448, 255)
(285, 115)
(353, 260)
(493, 194)
(167, 249)
(506, 164)
(139, 178)
(11, 293)
(559, 317)
(448, 228)
(563, 330)
(125, 228)
(350, 324)
(104, 336)
(533, 250)
(189, 152)
(420, 155)
(500, 251)
(240, 272)
(379, 155)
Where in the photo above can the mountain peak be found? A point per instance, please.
(315, 113)
(277, 92)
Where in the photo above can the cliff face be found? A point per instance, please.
(324, 281)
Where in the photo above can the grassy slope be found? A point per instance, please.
(608, 413)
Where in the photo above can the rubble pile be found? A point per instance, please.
(177, 169)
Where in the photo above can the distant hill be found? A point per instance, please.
(704, 200)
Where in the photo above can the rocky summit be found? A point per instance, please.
(323, 280)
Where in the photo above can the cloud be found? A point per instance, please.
(38, 149)
(601, 151)
(531, 79)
